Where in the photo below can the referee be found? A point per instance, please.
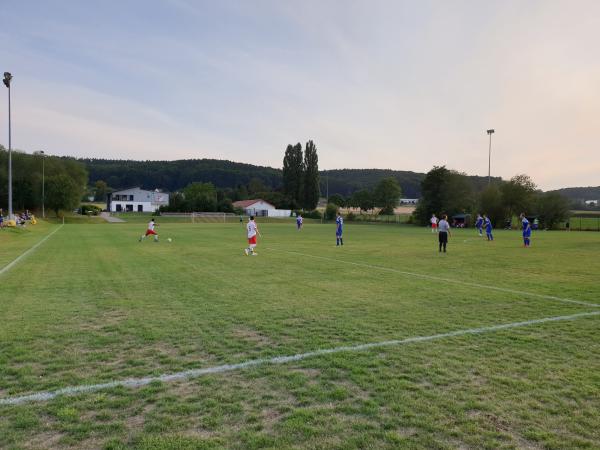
(443, 232)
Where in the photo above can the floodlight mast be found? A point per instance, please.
(490, 132)
(43, 155)
(7, 79)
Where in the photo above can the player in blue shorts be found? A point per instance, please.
(479, 224)
(487, 223)
(526, 230)
(339, 226)
(299, 222)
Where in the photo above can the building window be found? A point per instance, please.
(119, 208)
(140, 208)
(129, 208)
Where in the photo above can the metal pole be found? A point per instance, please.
(10, 193)
(490, 161)
(490, 132)
(43, 186)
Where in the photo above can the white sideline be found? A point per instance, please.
(195, 373)
(446, 280)
(23, 255)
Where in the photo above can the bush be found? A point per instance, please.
(314, 214)
(91, 210)
(331, 211)
(386, 212)
(350, 217)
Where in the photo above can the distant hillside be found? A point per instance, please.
(174, 175)
(580, 193)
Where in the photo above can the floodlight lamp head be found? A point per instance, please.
(490, 131)
(7, 78)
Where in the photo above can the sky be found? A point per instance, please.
(396, 84)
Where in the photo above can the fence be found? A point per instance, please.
(582, 222)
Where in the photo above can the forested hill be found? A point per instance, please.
(174, 175)
(581, 193)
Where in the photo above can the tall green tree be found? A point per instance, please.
(552, 208)
(490, 204)
(62, 193)
(432, 194)
(293, 174)
(518, 195)
(444, 191)
(362, 199)
(337, 199)
(387, 194)
(200, 197)
(311, 177)
(100, 191)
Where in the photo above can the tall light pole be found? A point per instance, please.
(43, 155)
(6, 81)
(490, 132)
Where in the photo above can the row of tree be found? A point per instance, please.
(385, 196)
(450, 192)
(65, 181)
(301, 176)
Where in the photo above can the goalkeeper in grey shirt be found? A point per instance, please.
(443, 232)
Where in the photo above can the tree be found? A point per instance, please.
(100, 191)
(552, 208)
(432, 197)
(62, 192)
(444, 191)
(337, 199)
(331, 211)
(256, 185)
(362, 199)
(311, 177)
(518, 195)
(200, 197)
(293, 171)
(490, 204)
(387, 194)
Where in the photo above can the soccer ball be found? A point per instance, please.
(169, 239)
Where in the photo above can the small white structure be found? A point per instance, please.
(136, 199)
(592, 203)
(409, 201)
(259, 207)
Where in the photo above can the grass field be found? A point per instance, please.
(93, 305)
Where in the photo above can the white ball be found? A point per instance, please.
(169, 239)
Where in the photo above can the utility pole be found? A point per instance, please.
(490, 132)
(6, 81)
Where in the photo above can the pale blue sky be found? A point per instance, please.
(386, 84)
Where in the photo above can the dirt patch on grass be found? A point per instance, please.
(45, 440)
(252, 336)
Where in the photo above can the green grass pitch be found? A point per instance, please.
(93, 305)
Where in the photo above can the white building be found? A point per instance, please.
(592, 203)
(136, 199)
(258, 207)
(409, 201)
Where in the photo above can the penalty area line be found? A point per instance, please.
(446, 280)
(195, 373)
(26, 253)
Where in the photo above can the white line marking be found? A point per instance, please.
(26, 253)
(447, 280)
(195, 373)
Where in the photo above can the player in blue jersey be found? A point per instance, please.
(299, 222)
(487, 223)
(339, 226)
(479, 224)
(526, 230)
